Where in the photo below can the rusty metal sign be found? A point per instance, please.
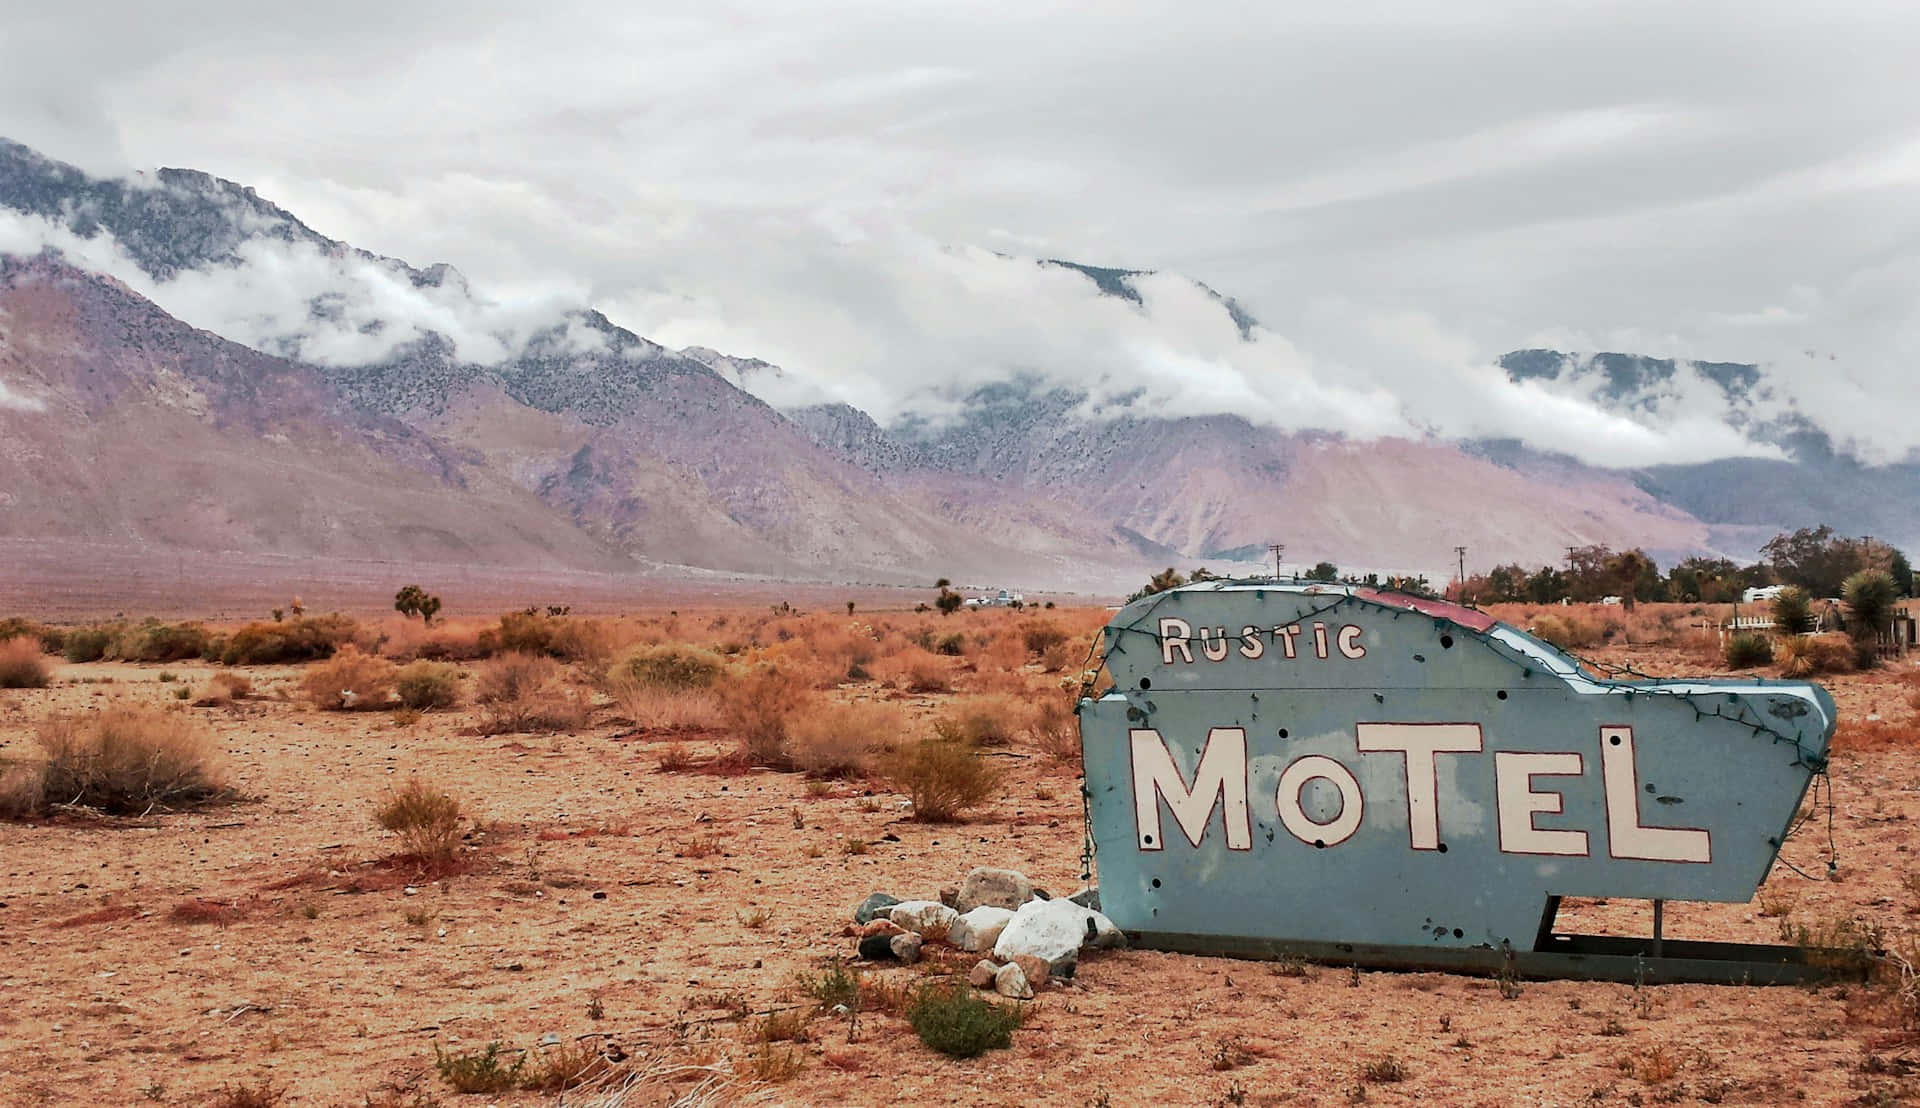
(1358, 776)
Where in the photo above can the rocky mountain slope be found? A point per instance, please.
(389, 411)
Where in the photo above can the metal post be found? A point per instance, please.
(1659, 920)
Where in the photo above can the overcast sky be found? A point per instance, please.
(1398, 192)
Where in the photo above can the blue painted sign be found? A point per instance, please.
(1325, 764)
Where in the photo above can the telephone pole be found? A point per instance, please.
(1278, 549)
(1460, 552)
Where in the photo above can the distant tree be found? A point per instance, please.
(1547, 586)
(1324, 571)
(414, 601)
(1902, 571)
(1815, 559)
(1708, 581)
(1588, 575)
(1634, 577)
(948, 601)
(1502, 585)
(849, 607)
(943, 583)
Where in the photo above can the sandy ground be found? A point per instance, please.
(608, 899)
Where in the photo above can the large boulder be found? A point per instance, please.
(922, 916)
(1054, 931)
(993, 888)
(979, 929)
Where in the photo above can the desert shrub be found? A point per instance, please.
(565, 1066)
(300, 639)
(984, 721)
(23, 665)
(349, 681)
(672, 666)
(527, 692)
(839, 740)
(87, 644)
(1811, 655)
(756, 706)
(154, 641)
(1568, 631)
(264, 1095)
(126, 760)
(1060, 657)
(1870, 596)
(1792, 611)
(960, 1023)
(51, 639)
(426, 818)
(1042, 635)
(486, 1071)
(1004, 653)
(23, 788)
(425, 684)
(561, 637)
(952, 645)
(943, 779)
(1055, 728)
(651, 706)
(916, 671)
(1745, 651)
(235, 686)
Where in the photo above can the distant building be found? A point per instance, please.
(1001, 599)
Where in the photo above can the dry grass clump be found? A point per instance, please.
(127, 760)
(942, 778)
(424, 685)
(915, 670)
(757, 705)
(349, 681)
(223, 688)
(23, 789)
(840, 740)
(652, 706)
(23, 665)
(1569, 630)
(560, 637)
(528, 692)
(1055, 728)
(426, 818)
(154, 641)
(1811, 655)
(984, 721)
(301, 639)
(1745, 651)
(1877, 734)
(672, 666)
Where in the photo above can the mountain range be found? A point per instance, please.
(353, 406)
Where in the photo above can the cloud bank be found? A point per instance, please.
(1400, 193)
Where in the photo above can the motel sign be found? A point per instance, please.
(1288, 767)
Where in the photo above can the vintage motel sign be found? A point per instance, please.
(1366, 777)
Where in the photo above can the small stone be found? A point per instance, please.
(950, 897)
(875, 905)
(922, 916)
(979, 929)
(1011, 981)
(880, 927)
(877, 948)
(1104, 933)
(982, 973)
(1037, 971)
(906, 947)
(993, 888)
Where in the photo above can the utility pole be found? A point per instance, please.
(1460, 552)
(1278, 549)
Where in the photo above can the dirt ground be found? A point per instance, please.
(609, 902)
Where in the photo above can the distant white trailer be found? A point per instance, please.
(1762, 593)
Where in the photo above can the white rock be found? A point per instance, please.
(982, 974)
(979, 929)
(1011, 981)
(996, 888)
(921, 916)
(1055, 930)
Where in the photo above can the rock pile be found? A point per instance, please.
(1028, 939)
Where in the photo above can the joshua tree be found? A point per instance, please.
(1869, 595)
(414, 601)
(1792, 613)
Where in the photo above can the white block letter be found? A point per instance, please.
(1174, 634)
(1627, 837)
(1215, 644)
(1220, 779)
(1420, 742)
(1250, 644)
(1350, 643)
(1335, 831)
(1513, 776)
